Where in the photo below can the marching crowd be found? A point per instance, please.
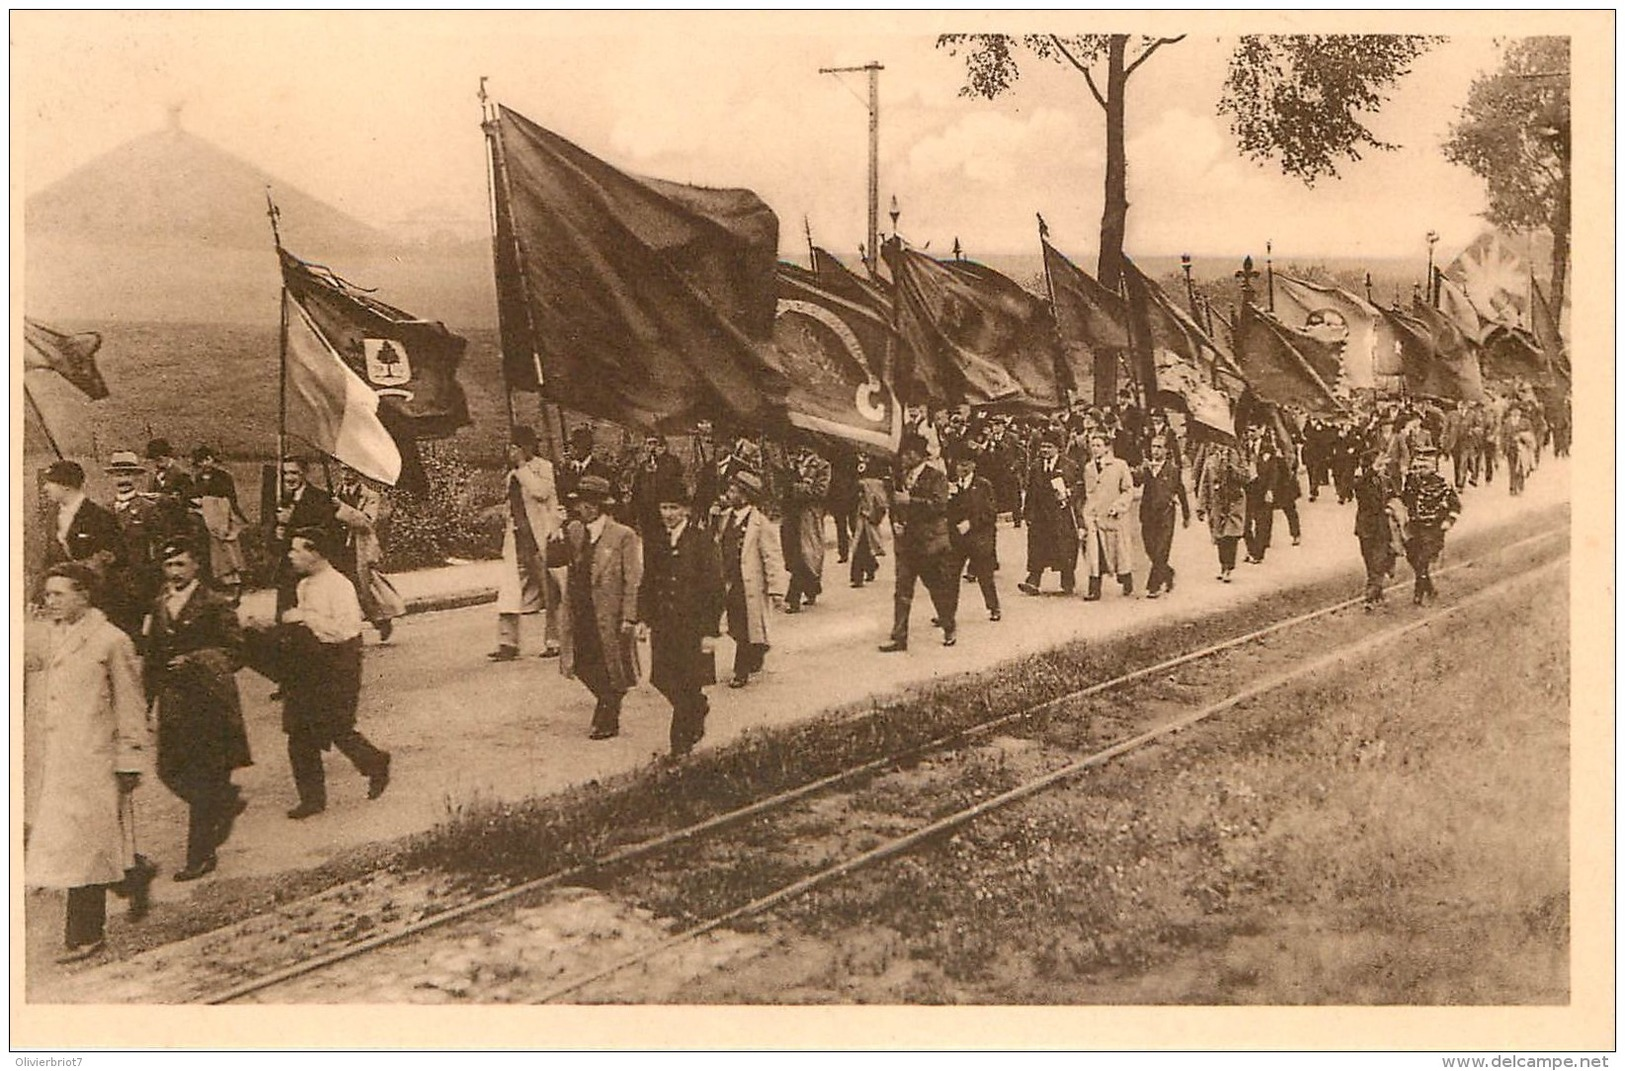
(140, 596)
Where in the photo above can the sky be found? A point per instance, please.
(377, 115)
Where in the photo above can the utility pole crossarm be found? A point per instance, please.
(873, 70)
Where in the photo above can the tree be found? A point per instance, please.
(1514, 134)
(1296, 99)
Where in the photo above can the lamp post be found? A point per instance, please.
(1433, 286)
(1190, 288)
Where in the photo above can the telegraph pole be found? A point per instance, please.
(873, 69)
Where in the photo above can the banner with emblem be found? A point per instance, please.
(411, 364)
(970, 335)
(833, 352)
(1332, 315)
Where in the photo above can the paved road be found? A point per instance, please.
(463, 730)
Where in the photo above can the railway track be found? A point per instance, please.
(260, 987)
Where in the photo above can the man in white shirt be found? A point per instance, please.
(322, 683)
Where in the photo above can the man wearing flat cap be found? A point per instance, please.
(680, 606)
(88, 533)
(193, 651)
(753, 573)
(597, 634)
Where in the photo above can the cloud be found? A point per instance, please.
(991, 147)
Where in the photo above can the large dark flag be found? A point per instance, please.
(1453, 373)
(1413, 346)
(1331, 314)
(411, 364)
(1157, 324)
(1276, 369)
(969, 334)
(1546, 330)
(632, 299)
(833, 351)
(73, 357)
(1510, 353)
(1093, 323)
(840, 279)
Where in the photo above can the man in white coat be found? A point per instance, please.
(96, 745)
(753, 573)
(526, 587)
(1108, 487)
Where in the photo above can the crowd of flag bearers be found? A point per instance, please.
(682, 317)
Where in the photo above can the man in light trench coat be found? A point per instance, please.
(96, 746)
(525, 586)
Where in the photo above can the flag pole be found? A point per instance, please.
(498, 171)
(487, 121)
(1049, 290)
(274, 215)
(40, 416)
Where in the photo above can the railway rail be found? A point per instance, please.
(262, 984)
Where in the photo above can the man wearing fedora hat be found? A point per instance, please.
(138, 521)
(753, 573)
(1054, 486)
(1431, 507)
(603, 569)
(919, 512)
(680, 607)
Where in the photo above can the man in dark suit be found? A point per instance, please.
(193, 652)
(655, 470)
(1263, 492)
(301, 505)
(172, 490)
(973, 517)
(579, 462)
(680, 607)
(88, 533)
(1161, 487)
(1054, 486)
(920, 528)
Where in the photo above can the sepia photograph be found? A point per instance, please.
(789, 530)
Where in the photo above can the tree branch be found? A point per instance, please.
(1087, 76)
(1142, 57)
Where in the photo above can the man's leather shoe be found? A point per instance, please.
(949, 639)
(603, 734)
(995, 615)
(551, 652)
(504, 654)
(386, 629)
(893, 647)
(82, 952)
(305, 810)
(197, 870)
(378, 780)
(739, 682)
(1026, 588)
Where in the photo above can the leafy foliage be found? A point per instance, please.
(453, 519)
(1300, 99)
(1514, 134)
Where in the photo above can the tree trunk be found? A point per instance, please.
(1114, 219)
(1560, 248)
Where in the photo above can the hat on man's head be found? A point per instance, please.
(593, 489)
(912, 443)
(157, 448)
(671, 487)
(201, 452)
(124, 461)
(748, 482)
(581, 435)
(175, 546)
(65, 474)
